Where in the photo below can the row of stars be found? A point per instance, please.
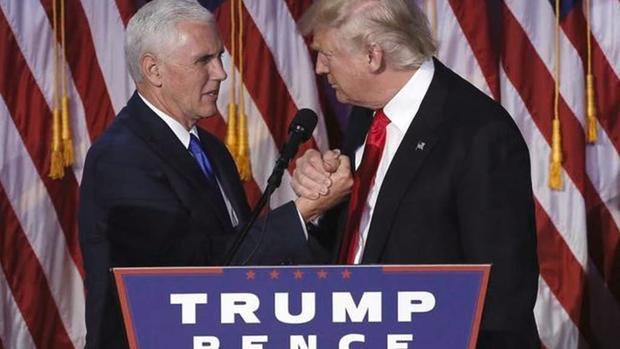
(297, 274)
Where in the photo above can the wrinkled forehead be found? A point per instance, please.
(200, 34)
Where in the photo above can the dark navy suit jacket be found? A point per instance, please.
(458, 190)
(144, 202)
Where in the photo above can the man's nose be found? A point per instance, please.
(320, 67)
(218, 72)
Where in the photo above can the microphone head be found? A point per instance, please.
(304, 123)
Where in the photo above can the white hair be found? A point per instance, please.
(154, 26)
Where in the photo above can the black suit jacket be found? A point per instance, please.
(144, 202)
(458, 190)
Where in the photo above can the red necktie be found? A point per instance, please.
(362, 182)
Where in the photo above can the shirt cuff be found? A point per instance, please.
(303, 224)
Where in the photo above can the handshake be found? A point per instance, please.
(321, 181)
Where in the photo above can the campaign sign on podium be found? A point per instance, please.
(322, 307)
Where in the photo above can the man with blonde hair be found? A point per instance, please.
(441, 171)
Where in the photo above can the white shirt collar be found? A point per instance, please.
(179, 130)
(402, 108)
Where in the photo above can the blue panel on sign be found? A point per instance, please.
(424, 307)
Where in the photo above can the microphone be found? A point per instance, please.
(299, 131)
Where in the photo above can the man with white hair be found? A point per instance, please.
(442, 173)
(157, 190)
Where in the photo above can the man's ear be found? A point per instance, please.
(376, 58)
(151, 66)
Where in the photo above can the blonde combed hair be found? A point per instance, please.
(398, 27)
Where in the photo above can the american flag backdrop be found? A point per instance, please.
(505, 47)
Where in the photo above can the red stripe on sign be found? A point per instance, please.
(558, 267)
(33, 120)
(82, 60)
(28, 283)
(535, 85)
(126, 8)
(475, 23)
(607, 84)
(261, 78)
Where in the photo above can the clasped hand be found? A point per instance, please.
(321, 181)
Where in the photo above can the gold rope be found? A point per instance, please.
(434, 17)
(67, 142)
(430, 7)
(57, 170)
(555, 172)
(592, 135)
(243, 151)
(231, 130)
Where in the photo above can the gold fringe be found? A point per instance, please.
(57, 169)
(231, 127)
(242, 157)
(244, 164)
(591, 133)
(555, 169)
(231, 130)
(67, 142)
(555, 172)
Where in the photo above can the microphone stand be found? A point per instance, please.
(272, 184)
(300, 130)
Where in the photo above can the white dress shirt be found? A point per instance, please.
(184, 137)
(401, 110)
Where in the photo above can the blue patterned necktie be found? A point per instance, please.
(199, 155)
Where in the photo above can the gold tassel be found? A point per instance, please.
(243, 150)
(555, 171)
(591, 110)
(231, 127)
(67, 142)
(231, 130)
(244, 164)
(592, 132)
(57, 170)
(555, 174)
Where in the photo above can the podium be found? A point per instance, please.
(303, 307)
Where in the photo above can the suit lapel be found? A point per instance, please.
(421, 137)
(148, 126)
